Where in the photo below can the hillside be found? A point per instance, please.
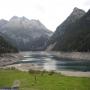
(6, 47)
(73, 34)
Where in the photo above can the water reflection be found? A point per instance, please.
(49, 65)
(49, 61)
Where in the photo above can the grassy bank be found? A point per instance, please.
(43, 81)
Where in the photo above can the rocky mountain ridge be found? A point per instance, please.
(73, 34)
(26, 34)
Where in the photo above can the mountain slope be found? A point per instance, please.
(6, 47)
(26, 34)
(3, 22)
(74, 36)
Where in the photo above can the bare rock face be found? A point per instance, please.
(78, 12)
(73, 34)
(26, 34)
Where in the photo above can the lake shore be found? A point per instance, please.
(27, 67)
(75, 73)
(73, 55)
(9, 58)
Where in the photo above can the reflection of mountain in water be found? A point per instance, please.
(48, 61)
(50, 65)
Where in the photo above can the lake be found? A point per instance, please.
(49, 61)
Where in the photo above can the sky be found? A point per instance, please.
(50, 12)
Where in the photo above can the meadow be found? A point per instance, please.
(42, 80)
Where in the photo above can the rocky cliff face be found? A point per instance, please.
(73, 34)
(26, 34)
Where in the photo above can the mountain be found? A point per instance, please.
(3, 22)
(6, 47)
(26, 34)
(73, 34)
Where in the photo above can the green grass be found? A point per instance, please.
(43, 81)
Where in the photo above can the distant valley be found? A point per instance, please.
(72, 35)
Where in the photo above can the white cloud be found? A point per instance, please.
(50, 12)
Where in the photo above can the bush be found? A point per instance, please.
(51, 73)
